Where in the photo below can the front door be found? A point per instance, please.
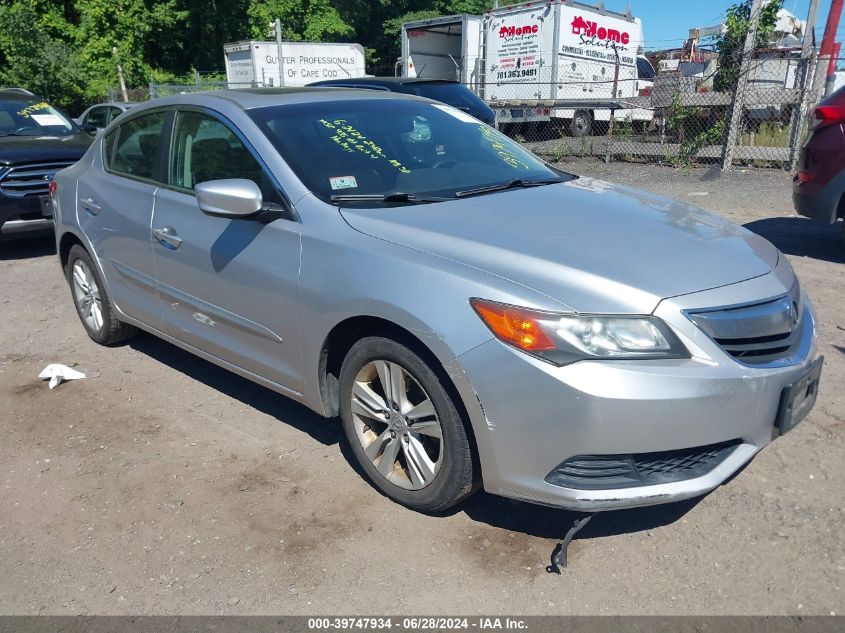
(229, 286)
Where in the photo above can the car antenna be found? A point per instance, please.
(559, 553)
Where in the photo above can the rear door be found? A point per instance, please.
(230, 286)
(115, 205)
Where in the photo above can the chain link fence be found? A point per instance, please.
(680, 116)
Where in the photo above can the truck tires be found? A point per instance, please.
(581, 123)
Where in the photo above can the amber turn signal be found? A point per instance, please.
(515, 326)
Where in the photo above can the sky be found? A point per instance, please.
(666, 23)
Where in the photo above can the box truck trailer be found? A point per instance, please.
(256, 63)
(584, 62)
(444, 48)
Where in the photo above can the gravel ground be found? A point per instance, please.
(162, 484)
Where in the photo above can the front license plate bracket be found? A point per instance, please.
(799, 398)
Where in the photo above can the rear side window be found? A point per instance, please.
(136, 147)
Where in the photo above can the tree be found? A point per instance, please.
(310, 20)
(731, 43)
(33, 54)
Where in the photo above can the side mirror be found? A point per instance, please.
(90, 128)
(230, 198)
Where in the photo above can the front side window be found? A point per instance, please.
(204, 149)
(136, 147)
(389, 146)
(32, 118)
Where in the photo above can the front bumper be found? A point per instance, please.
(23, 216)
(536, 415)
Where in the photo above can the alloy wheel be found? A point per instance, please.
(397, 425)
(86, 293)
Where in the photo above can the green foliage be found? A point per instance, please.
(309, 20)
(732, 43)
(33, 55)
(693, 129)
(69, 50)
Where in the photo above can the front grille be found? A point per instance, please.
(30, 180)
(758, 334)
(604, 472)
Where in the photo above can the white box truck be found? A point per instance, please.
(256, 63)
(574, 54)
(577, 55)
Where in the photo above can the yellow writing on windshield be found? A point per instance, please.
(351, 140)
(502, 150)
(35, 107)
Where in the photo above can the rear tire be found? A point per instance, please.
(581, 124)
(93, 305)
(408, 437)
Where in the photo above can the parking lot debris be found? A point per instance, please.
(559, 560)
(57, 373)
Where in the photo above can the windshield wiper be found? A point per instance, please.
(387, 197)
(513, 184)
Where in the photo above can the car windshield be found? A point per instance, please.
(406, 151)
(32, 118)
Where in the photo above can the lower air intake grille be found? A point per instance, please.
(600, 472)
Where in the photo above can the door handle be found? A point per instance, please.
(90, 206)
(168, 237)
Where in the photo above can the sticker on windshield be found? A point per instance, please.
(343, 182)
(352, 141)
(458, 114)
(45, 120)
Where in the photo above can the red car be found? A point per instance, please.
(819, 185)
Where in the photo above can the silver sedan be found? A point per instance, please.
(474, 316)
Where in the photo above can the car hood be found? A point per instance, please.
(590, 245)
(29, 149)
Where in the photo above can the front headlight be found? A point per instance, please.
(567, 338)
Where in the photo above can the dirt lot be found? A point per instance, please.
(161, 484)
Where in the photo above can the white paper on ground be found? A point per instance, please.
(57, 373)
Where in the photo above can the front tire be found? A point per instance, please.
(403, 427)
(93, 305)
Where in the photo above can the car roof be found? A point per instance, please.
(116, 104)
(384, 81)
(16, 94)
(250, 98)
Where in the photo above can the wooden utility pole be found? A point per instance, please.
(805, 80)
(735, 121)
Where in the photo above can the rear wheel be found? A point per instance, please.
(581, 123)
(403, 427)
(92, 302)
